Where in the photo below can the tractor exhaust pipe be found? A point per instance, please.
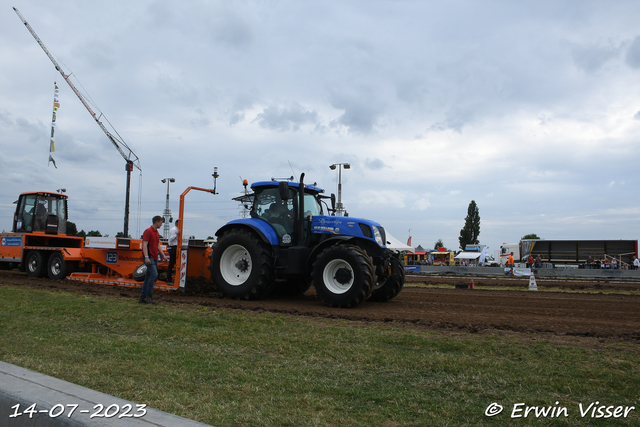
(301, 209)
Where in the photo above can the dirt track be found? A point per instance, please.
(583, 318)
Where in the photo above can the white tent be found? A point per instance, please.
(396, 245)
(468, 255)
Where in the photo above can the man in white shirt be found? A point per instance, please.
(173, 245)
(636, 263)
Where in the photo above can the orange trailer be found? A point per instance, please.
(39, 245)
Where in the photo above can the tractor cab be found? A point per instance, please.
(41, 212)
(278, 203)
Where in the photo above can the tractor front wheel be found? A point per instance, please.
(242, 265)
(343, 275)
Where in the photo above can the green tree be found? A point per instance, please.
(439, 244)
(530, 236)
(471, 230)
(93, 233)
(82, 233)
(72, 229)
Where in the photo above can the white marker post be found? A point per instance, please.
(183, 266)
(532, 283)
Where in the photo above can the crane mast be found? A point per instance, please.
(129, 156)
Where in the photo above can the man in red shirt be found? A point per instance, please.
(150, 249)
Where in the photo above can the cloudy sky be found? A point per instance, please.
(531, 108)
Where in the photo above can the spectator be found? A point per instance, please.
(636, 263)
(173, 246)
(530, 261)
(510, 262)
(538, 261)
(589, 263)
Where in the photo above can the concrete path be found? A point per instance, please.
(28, 398)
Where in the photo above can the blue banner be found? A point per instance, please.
(11, 241)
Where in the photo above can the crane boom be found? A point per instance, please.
(129, 156)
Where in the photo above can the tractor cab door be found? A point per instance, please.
(270, 206)
(44, 212)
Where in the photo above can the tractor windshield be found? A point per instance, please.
(277, 212)
(312, 206)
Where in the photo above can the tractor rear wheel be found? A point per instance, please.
(343, 275)
(35, 265)
(58, 267)
(242, 265)
(394, 283)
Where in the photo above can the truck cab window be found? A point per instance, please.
(26, 214)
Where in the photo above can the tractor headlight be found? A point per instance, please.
(378, 236)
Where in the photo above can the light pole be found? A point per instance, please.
(167, 211)
(339, 207)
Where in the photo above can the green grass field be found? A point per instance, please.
(231, 368)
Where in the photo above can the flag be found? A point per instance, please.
(56, 105)
(483, 255)
(409, 241)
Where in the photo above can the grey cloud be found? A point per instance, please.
(236, 117)
(239, 105)
(411, 92)
(200, 121)
(361, 111)
(160, 14)
(78, 151)
(374, 164)
(286, 118)
(221, 23)
(99, 55)
(637, 116)
(633, 53)
(231, 29)
(591, 57)
(36, 131)
(454, 120)
(5, 118)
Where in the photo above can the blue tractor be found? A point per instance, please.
(290, 243)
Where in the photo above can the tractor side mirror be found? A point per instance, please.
(283, 189)
(333, 202)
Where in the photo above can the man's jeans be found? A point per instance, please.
(150, 278)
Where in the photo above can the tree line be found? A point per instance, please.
(72, 230)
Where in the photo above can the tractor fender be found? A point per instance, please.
(369, 247)
(335, 240)
(262, 228)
